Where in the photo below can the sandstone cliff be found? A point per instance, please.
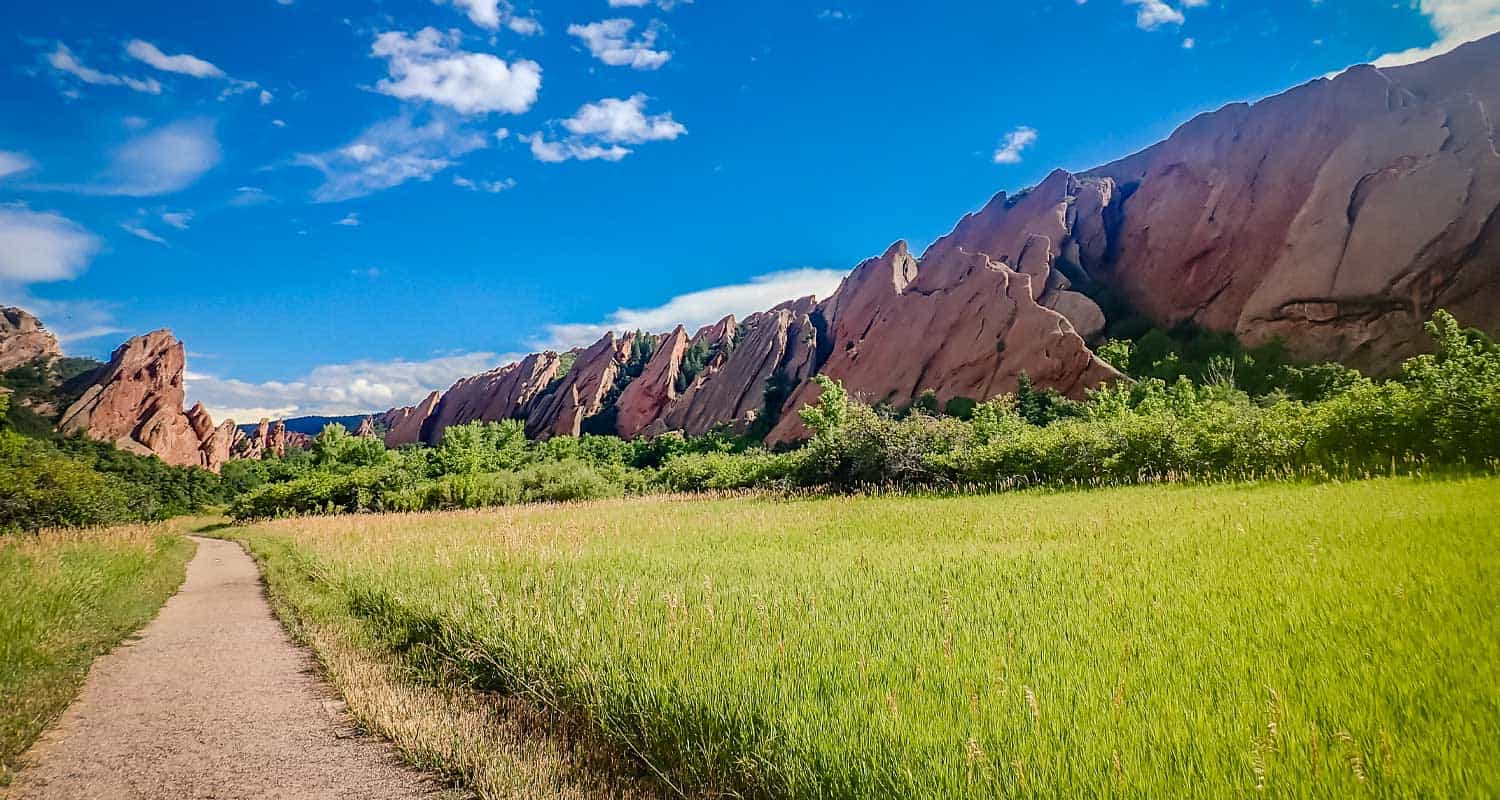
(135, 402)
(23, 339)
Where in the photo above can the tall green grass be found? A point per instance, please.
(65, 598)
(1333, 640)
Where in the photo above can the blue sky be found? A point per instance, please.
(341, 205)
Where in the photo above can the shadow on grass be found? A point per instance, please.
(214, 526)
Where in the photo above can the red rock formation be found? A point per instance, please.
(403, 426)
(136, 400)
(23, 339)
(366, 428)
(644, 399)
(779, 345)
(956, 323)
(492, 396)
(1336, 216)
(582, 392)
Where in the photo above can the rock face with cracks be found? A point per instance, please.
(135, 402)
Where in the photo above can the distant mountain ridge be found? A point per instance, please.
(1336, 217)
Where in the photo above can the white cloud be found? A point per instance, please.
(1009, 151)
(1454, 22)
(429, 66)
(141, 232)
(491, 14)
(38, 246)
(1152, 14)
(166, 160)
(493, 187)
(177, 219)
(351, 220)
(183, 64)
(1189, 43)
(250, 196)
(14, 163)
(389, 154)
(609, 41)
(599, 131)
(703, 307)
(558, 152)
(501, 134)
(365, 386)
(664, 5)
(623, 122)
(63, 60)
(266, 97)
(280, 123)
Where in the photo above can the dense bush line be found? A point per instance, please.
(1442, 410)
(76, 482)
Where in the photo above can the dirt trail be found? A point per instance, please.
(213, 701)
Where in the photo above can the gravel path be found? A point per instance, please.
(213, 701)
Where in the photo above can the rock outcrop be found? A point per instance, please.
(769, 349)
(956, 323)
(135, 402)
(403, 426)
(582, 392)
(1336, 217)
(23, 339)
(644, 399)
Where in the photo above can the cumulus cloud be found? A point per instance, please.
(1152, 14)
(491, 14)
(389, 154)
(1454, 22)
(38, 246)
(609, 41)
(1009, 151)
(63, 60)
(14, 163)
(428, 65)
(366, 386)
(168, 159)
(599, 131)
(703, 307)
(556, 152)
(623, 121)
(182, 64)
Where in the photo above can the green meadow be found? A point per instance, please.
(1278, 639)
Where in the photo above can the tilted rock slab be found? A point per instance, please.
(135, 402)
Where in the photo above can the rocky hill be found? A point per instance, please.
(23, 339)
(136, 403)
(1335, 217)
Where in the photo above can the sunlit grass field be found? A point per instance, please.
(1334, 640)
(65, 598)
